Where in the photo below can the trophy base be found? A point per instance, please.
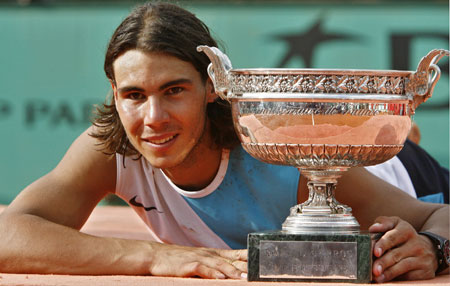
(324, 257)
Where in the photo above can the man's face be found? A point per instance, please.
(161, 101)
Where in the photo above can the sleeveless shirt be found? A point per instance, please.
(245, 196)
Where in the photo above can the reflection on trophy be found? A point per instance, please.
(323, 122)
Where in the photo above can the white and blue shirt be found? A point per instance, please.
(245, 196)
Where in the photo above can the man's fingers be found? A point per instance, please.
(201, 270)
(241, 265)
(388, 260)
(215, 268)
(383, 224)
(232, 269)
(401, 252)
(395, 237)
(402, 268)
(202, 262)
(226, 266)
(236, 258)
(239, 254)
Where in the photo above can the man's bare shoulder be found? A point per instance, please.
(68, 193)
(87, 161)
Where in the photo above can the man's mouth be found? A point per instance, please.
(161, 141)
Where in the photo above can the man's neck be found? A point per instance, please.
(199, 168)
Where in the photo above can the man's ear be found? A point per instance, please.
(210, 91)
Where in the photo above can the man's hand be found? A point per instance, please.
(401, 252)
(182, 261)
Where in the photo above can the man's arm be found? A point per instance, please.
(380, 207)
(39, 230)
(371, 197)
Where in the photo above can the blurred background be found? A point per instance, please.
(51, 61)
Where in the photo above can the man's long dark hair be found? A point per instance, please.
(167, 28)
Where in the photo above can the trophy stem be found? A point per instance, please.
(321, 212)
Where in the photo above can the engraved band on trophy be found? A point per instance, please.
(323, 122)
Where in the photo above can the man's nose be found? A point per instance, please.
(155, 112)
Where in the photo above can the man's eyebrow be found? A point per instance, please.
(175, 82)
(126, 89)
(129, 88)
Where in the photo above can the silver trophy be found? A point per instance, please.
(323, 122)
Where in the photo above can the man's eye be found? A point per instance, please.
(135, 96)
(174, 90)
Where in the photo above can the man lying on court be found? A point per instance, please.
(166, 144)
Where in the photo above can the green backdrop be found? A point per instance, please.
(51, 59)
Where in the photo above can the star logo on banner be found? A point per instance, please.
(303, 44)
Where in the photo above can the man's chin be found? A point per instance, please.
(163, 163)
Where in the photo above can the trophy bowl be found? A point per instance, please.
(322, 121)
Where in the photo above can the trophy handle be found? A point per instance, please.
(218, 69)
(425, 78)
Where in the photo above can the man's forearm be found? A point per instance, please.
(438, 222)
(30, 244)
